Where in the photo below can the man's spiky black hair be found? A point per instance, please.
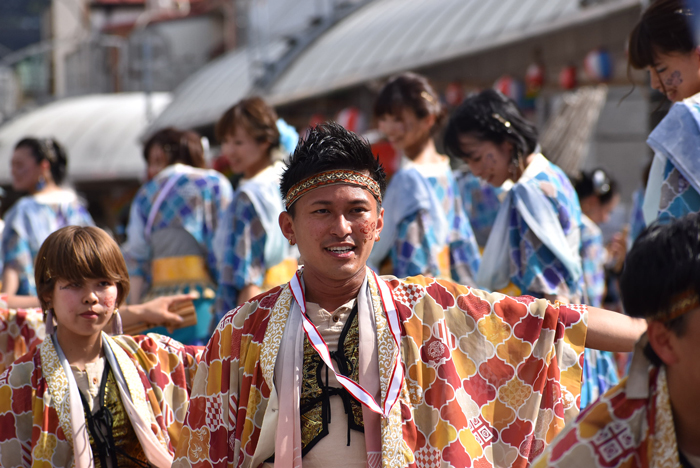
(663, 263)
(329, 147)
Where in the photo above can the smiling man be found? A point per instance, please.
(341, 367)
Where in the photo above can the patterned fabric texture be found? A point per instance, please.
(196, 203)
(534, 268)
(481, 203)
(243, 260)
(490, 379)
(29, 222)
(415, 249)
(35, 427)
(678, 197)
(20, 331)
(617, 431)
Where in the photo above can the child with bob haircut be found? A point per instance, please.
(82, 397)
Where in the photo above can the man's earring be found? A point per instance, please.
(291, 241)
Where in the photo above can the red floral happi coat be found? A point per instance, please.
(20, 331)
(490, 379)
(35, 423)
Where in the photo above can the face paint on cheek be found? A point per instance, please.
(109, 302)
(675, 79)
(367, 228)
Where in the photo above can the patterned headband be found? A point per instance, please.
(332, 178)
(683, 303)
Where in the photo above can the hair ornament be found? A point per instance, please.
(427, 96)
(501, 119)
(49, 152)
(332, 178)
(601, 182)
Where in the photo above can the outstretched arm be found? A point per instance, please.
(612, 331)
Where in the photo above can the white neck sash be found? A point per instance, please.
(355, 389)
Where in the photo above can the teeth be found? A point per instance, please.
(340, 249)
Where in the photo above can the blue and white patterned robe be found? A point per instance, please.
(197, 203)
(424, 205)
(251, 239)
(481, 203)
(27, 225)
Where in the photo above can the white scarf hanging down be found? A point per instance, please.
(540, 216)
(156, 453)
(288, 372)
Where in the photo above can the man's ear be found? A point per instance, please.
(287, 225)
(662, 342)
(380, 222)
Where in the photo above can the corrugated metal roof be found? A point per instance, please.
(381, 38)
(100, 134)
(204, 96)
(389, 36)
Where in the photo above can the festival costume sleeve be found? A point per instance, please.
(412, 251)
(243, 261)
(619, 431)
(538, 269)
(490, 379)
(678, 197)
(20, 331)
(230, 394)
(167, 369)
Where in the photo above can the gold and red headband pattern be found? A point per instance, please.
(332, 178)
(683, 303)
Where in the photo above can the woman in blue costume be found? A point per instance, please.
(663, 43)
(172, 226)
(540, 218)
(254, 255)
(39, 168)
(425, 228)
(598, 195)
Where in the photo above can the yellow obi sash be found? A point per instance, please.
(169, 271)
(280, 273)
(176, 275)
